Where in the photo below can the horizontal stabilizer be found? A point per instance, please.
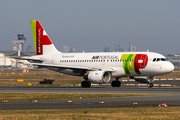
(28, 58)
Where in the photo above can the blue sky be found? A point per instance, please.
(90, 24)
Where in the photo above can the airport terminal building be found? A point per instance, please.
(7, 62)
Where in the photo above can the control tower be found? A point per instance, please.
(20, 41)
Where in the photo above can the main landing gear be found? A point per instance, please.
(116, 83)
(86, 83)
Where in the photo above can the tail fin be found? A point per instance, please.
(42, 42)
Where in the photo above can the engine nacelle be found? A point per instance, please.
(99, 76)
(144, 79)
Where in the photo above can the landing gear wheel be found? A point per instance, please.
(113, 83)
(116, 83)
(86, 84)
(83, 83)
(150, 85)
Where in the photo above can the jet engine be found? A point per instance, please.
(99, 76)
(144, 79)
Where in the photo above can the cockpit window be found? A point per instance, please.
(163, 59)
(159, 59)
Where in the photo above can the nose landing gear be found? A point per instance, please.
(150, 80)
(150, 85)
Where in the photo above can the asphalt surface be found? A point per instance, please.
(172, 98)
(102, 88)
(96, 89)
(115, 102)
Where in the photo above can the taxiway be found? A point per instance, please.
(172, 98)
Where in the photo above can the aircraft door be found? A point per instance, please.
(53, 59)
(103, 61)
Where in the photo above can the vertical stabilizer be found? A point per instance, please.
(42, 42)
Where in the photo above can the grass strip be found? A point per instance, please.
(94, 114)
(25, 96)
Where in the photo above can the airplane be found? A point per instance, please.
(97, 67)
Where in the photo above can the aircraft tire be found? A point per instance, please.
(118, 83)
(86, 84)
(83, 84)
(150, 85)
(115, 83)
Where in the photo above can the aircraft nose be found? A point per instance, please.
(169, 67)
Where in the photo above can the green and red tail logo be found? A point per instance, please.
(134, 62)
(40, 37)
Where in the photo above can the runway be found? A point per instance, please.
(172, 98)
(96, 89)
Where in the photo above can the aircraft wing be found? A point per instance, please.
(70, 67)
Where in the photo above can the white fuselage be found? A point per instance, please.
(120, 63)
